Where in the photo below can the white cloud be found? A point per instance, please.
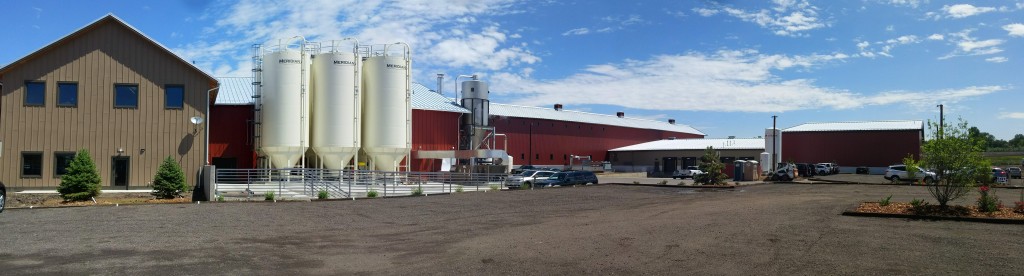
(449, 31)
(706, 12)
(577, 31)
(886, 46)
(1015, 29)
(738, 80)
(786, 18)
(936, 37)
(1011, 115)
(970, 46)
(997, 59)
(965, 10)
(907, 3)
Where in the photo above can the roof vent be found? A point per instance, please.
(620, 114)
(732, 137)
(558, 107)
(671, 137)
(672, 121)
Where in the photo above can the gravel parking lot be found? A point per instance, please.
(604, 229)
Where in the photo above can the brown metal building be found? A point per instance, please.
(107, 88)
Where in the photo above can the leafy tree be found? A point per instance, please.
(956, 157)
(712, 168)
(82, 181)
(1017, 141)
(169, 181)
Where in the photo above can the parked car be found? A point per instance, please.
(999, 175)
(568, 178)
(1014, 172)
(528, 177)
(689, 171)
(3, 197)
(806, 170)
(899, 172)
(822, 169)
(522, 169)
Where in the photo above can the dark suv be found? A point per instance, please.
(1014, 172)
(569, 178)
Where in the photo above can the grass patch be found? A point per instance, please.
(1003, 161)
(372, 193)
(269, 196)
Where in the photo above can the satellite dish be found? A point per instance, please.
(196, 120)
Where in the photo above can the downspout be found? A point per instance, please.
(206, 131)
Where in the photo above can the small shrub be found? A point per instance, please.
(82, 181)
(417, 192)
(663, 182)
(220, 198)
(372, 193)
(682, 183)
(1019, 205)
(322, 194)
(918, 206)
(885, 201)
(458, 189)
(268, 196)
(495, 187)
(986, 202)
(169, 181)
(526, 185)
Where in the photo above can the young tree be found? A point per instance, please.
(955, 155)
(81, 182)
(712, 168)
(169, 181)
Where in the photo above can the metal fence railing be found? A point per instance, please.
(299, 182)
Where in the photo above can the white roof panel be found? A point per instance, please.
(235, 91)
(858, 126)
(697, 144)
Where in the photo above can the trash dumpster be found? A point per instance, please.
(737, 174)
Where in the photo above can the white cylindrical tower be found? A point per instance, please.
(387, 110)
(773, 136)
(336, 106)
(285, 123)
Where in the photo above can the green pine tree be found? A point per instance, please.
(712, 168)
(169, 181)
(82, 181)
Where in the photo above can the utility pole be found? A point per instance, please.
(775, 136)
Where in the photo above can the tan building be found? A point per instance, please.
(107, 88)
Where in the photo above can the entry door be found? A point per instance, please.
(119, 170)
(669, 164)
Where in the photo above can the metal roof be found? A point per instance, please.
(235, 91)
(239, 91)
(586, 117)
(697, 144)
(858, 126)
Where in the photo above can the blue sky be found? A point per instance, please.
(724, 67)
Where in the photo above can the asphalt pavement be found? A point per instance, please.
(603, 229)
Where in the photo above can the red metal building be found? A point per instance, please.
(853, 144)
(555, 134)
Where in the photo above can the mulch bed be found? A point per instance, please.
(54, 200)
(902, 208)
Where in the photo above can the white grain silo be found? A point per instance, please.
(386, 108)
(336, 105)
(285, 120)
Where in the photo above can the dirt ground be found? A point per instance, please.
(605, 229)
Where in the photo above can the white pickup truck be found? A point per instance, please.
(689, 171)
